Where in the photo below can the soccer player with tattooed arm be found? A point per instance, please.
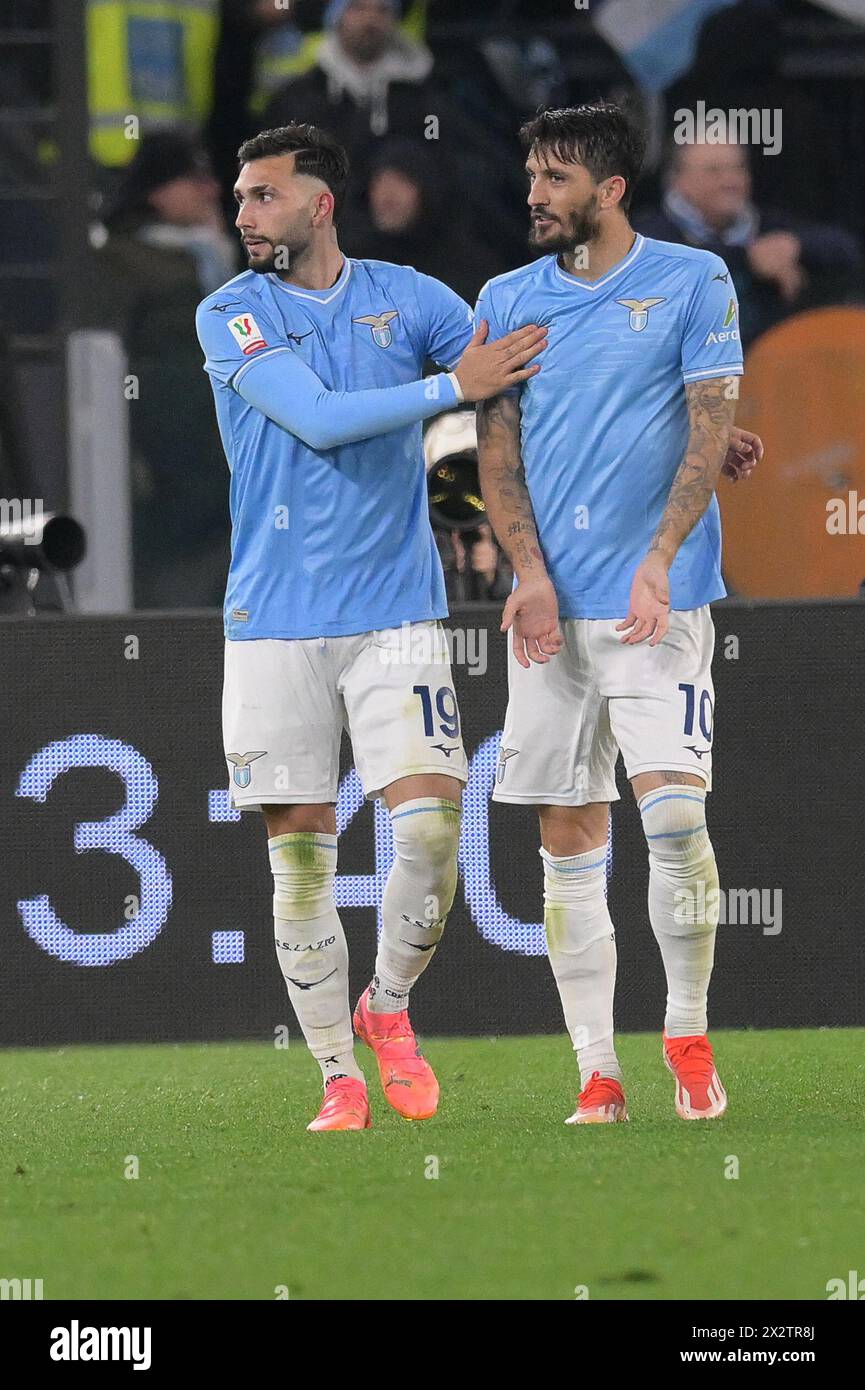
(599, 479)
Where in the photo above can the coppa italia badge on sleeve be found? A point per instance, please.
(247, 333)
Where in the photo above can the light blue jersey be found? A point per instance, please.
(605, 422)
(319, 402)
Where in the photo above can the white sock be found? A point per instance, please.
(311, 947)
(581, 945)
(417, 898)
(683, 900)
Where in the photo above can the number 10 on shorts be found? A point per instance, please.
(705, 715)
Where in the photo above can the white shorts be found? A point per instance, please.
(285, 704)
(568, 720)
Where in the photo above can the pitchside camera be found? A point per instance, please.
(45, 541)
(451, 455)
(37, 543)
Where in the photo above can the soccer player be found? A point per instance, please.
(599, 478)
(335, 589)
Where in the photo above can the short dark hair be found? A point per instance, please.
(600, 135)
(316, 152)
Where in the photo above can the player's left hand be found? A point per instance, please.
(744, 452)
(532, 611)
(649, 610)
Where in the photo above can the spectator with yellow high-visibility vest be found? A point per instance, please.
(150, 67)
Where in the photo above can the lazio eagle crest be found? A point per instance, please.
(639, 315)
(242, 774)
(380, 325)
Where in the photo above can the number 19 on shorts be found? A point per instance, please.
(440, 712)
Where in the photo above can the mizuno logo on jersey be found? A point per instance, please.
(639, 315)
(247, 333)
(380, 325)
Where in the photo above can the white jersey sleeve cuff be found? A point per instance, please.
(705, 373)
(452, 378)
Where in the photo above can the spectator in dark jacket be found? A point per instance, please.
(372, 82)
(369, 80)
(411, 217)
(779, 263)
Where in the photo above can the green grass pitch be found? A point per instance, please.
(235, 1200)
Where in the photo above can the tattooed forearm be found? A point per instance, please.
(711, 416)
(503, 484)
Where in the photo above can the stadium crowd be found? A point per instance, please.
(428, 108)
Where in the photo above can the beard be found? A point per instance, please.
(578, 229)
(276, 255)
(262, 260)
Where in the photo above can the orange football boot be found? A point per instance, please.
(407, 1079)
(601, 1102)
(345, 1106)
(699, 1093)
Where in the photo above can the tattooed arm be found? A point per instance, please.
(711, 416)
(503, 484)
(532, 610)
